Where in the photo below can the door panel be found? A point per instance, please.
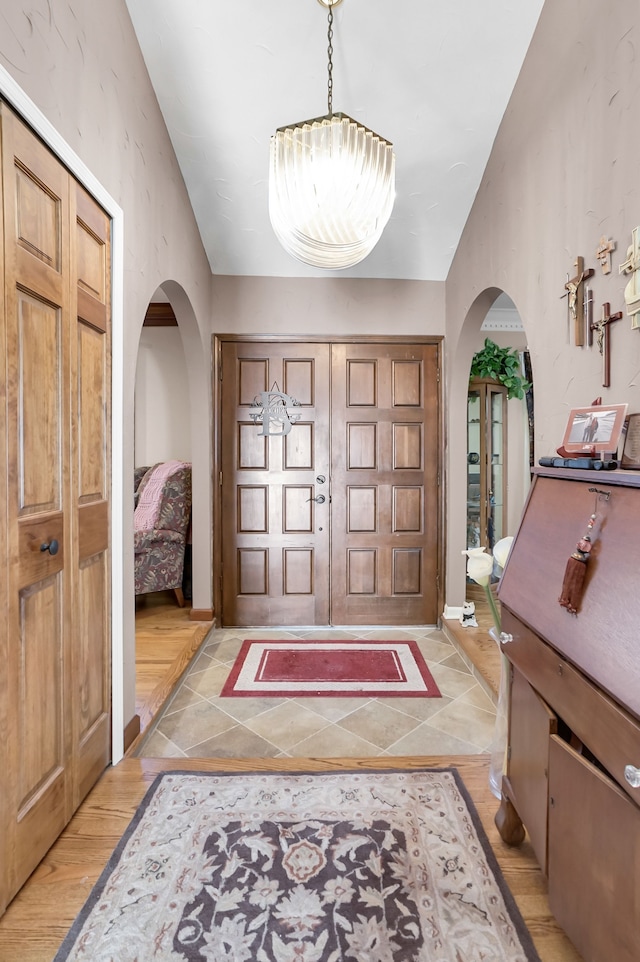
(377, 472)
(275, 543)
(55, 685)
(36, 223)
(385, 455)
(90, 354)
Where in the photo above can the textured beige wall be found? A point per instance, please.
(328, 306)
(80, 64)
(565, 169)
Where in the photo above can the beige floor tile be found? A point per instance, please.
(379, 724)
(387, 634)
(287, 724)
(435, 649)
(209, 682)
(465, 722)
(418, 708)
(426, 740)
(479, 697)
(455, 661)
(244, 708)
(183, 698)
(198, 722)
(238, 742)
(452, 682)
(334, 742)
(226, 650)
(156, 745)
(333, 709)
(194, 724)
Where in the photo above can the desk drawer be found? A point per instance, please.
(609, 732)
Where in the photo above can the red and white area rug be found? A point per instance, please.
(330, 668)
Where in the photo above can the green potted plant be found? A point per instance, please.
(503, 365)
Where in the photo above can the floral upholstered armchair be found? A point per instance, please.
(161, 522)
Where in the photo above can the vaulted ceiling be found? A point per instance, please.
(433, 77)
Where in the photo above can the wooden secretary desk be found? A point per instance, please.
(573, 770)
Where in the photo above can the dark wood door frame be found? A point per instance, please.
(218, 433)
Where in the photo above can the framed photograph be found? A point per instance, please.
(595, 429)
(631, 449)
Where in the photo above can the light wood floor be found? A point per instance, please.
(166, 641)
(38, 918)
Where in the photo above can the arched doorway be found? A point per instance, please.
(493, 315)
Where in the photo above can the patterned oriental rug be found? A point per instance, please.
(389, 866)
(330, 668)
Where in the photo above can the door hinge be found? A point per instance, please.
(220, 478)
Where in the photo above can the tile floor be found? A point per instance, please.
(197, 723)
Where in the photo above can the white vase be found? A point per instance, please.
(498, 746)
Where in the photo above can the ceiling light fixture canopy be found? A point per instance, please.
(331, 184)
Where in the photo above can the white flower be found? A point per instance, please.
(501, 550)
(479, 565)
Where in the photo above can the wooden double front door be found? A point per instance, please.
(329, 482)
(55, 683)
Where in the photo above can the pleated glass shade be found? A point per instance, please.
(331, 190)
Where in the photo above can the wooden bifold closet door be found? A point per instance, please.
(55, 685)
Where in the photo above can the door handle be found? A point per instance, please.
(50, 546)
(319, 499)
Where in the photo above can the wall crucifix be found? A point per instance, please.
(603, 338)
(603, 253)
(632, 290)
(575, 288)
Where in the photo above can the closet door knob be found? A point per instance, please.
(50, 546)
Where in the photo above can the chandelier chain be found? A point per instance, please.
(330, 63)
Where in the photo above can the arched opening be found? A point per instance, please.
(162, 438)
(489, 461)
(171, 414)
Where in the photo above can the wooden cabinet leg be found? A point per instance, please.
(508, 822)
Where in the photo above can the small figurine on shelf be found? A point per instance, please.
(468, 615)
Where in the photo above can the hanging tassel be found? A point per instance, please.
(576, 570)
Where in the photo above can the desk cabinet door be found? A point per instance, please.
(594, 854)
(532, 722)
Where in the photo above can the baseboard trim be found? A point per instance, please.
(452, 612)
(201, 614)
(131, 732)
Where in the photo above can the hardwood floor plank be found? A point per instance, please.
(166, 642)
(40, 915)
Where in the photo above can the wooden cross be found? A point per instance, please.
(602, 327)
(576, 299)
(632, 290)
(603, 253)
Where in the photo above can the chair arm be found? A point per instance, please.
(145, 539)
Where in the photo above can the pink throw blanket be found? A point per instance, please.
(147, 511)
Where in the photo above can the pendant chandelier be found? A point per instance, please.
(331, 184)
